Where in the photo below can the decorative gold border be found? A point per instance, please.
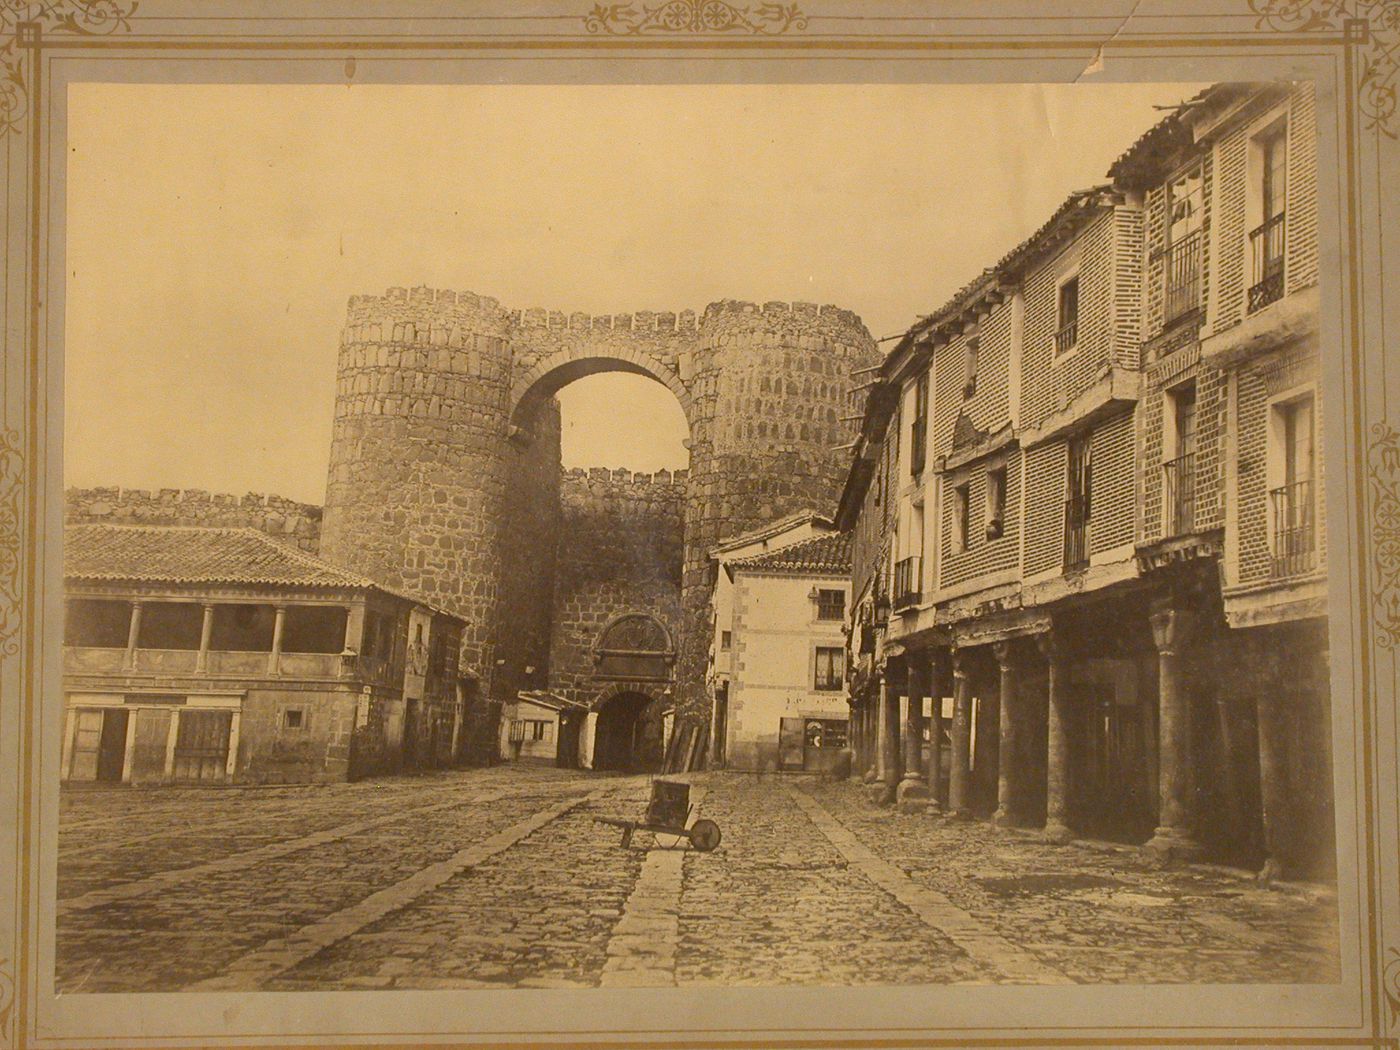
(1369, 33)
(694, 16)
(20, 23)
(1370, 24)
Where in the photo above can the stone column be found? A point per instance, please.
(206, 631)
(274, 658)
(912, 793)
(1172, 839)
(133, 635)
(1008, 782)
(889, 742)
(960, 775)
(937, 686)
(1057, 759)
(1274, 796)
(871, 732)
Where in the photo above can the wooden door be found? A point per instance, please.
(111, 755)
(152, 739)
(791, 743)
(201, 745)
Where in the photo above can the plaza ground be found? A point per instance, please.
(494, 878)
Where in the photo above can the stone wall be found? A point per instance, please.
(619, 551)
(298, 523)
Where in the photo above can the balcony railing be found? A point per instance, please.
(1184, 278)
(1180, 476)
(1076, 533)
(1295, 535)
(1267, 246)
(907, 583)
(1067, 336)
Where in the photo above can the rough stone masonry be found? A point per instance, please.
(444, 471)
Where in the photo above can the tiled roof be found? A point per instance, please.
(826, 555)
(192, 554)
(773, 528)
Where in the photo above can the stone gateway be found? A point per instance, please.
(445, 476)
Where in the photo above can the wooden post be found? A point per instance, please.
(206, 631)
(133, 635)
(938, 680)
(274, 658)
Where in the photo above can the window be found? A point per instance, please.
(970, 350)
(1267, 240)
(1183, 269)
(314, 629)
(294, 718)
(1292, 502)
(831, 666)
(831, 604)
(1067, 324)
(536, 730)
(1077, 504)
(918, 437)
(96, 623)
(996, 502)
(726, 641)
(172, 625)
(1180, 469)
(961, 506)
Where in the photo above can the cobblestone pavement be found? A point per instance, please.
(501, 878)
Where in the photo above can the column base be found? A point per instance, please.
(1171, 844)
(870, 776)
(934, 808)
(1002, 818)
(912, 796)
(1057, 833)
(875, 791)
(1271, 870)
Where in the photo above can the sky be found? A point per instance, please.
(215, 233)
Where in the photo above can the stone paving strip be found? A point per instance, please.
(251, 858)
(934, 908)
(279, 955)
(642, 950)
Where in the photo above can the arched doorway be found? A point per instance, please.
(618, 742)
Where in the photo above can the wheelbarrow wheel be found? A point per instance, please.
(704, 835)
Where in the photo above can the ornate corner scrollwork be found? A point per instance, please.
(1383, 466)
(694, 16)
(21, 21)
(11, 468)
(1372, 25)
(1390, 985)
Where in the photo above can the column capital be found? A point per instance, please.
(1005, 653)
(1051, 646)
(1171, 628)
(961, 663)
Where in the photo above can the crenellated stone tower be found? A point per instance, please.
(444, 470)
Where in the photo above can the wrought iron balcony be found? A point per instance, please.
(1067, 336)
(1180, 474)
(1183, 278)
(1267, 248)
(1295, 533)
(1076, 533)
(907, 581)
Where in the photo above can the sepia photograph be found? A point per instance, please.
(642, 536)
(675, 524)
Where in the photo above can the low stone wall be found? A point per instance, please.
(298, 523)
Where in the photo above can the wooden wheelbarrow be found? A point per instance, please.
(668, 813)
